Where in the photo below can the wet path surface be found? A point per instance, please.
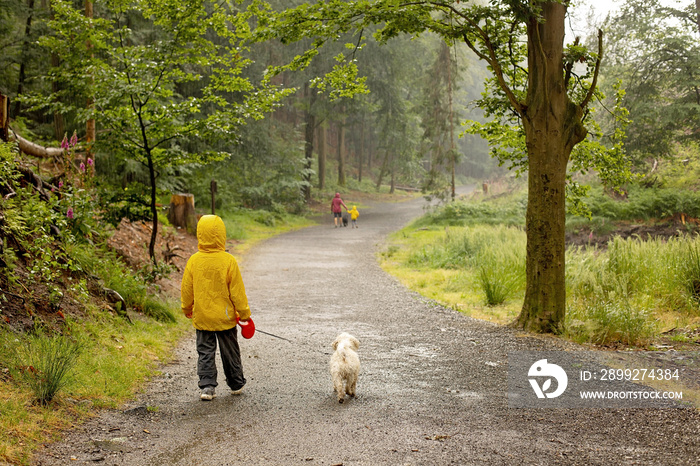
(432, 388)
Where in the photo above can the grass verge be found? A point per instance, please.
(115, 360)
(629, 294)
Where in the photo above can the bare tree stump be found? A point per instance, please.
(181, 213)
(4, 117)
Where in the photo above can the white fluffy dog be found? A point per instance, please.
(345, 365)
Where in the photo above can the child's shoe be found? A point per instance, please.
(207, 394)
(237, 392)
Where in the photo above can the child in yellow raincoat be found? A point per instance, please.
(213, 296)
(353, 216)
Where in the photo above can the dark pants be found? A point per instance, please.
(230, 358)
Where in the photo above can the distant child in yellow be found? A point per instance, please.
(353, 216)
(213, 296)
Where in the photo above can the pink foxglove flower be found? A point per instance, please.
(70, 214)
(60, 184)
(82, 167)
(64, 143)
(74, 139)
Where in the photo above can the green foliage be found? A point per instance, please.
(130, 202)
(132, 287)
(42, 362)
(682, 171)
(38, 226)
(263, 172)
(135, 80)
(653, 49)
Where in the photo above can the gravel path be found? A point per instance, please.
(432, 389)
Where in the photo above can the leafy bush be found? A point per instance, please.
(132, 202)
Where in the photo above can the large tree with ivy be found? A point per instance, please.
(535, 84)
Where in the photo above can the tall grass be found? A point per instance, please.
(43, 363)
(496, 255)
(605, 322)
(625, 294)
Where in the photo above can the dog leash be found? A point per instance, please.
(248, 330)
(277, 336)
(272, 335)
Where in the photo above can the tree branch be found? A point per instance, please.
(591, 91)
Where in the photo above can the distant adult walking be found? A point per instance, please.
(336, 204)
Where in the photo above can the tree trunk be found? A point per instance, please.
(392, 189)
(450, 116)
(22, 65)
(309, 141)
(90, 124)
(181, 213)
(154, 207)
(321, 157)
(360, 156)
(4, 118)
(341, 154)
(553, 127)
(383, 169)
(59, 126)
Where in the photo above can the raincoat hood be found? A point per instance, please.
(212, 293)
(211, 234)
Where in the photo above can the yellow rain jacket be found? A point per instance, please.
(354, 213)
(212, 290)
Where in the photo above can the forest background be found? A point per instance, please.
(122, 104)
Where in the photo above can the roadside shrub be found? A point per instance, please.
(496, 287)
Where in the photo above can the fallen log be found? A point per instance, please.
(35, 150)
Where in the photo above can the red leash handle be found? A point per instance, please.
(247, 328)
